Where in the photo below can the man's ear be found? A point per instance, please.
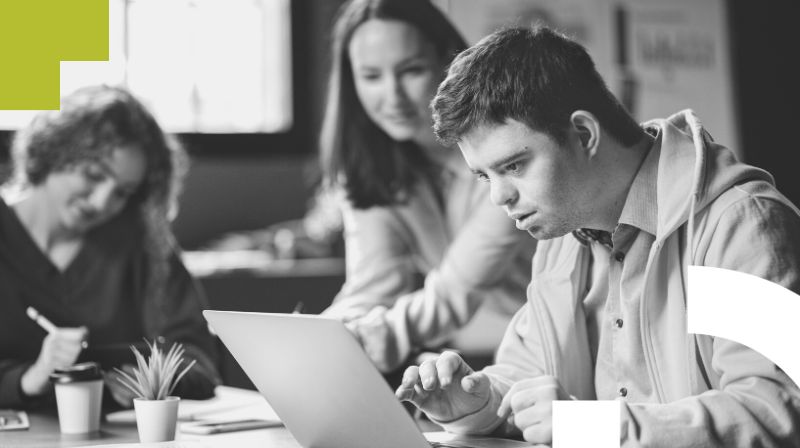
(586, 126)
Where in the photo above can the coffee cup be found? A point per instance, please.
(79, 397)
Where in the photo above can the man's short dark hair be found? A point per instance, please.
(532, 75)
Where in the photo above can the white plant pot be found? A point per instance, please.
(156, 419)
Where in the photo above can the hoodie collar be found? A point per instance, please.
(641, 205)
(692, 170)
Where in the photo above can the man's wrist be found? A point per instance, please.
(481, 421)
(466, 414)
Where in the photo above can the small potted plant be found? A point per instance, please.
(153, 381)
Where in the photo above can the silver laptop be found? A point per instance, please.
(318, 380)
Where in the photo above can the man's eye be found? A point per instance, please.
(483, 177)
(513, 167)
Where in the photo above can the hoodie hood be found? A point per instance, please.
(714, 169)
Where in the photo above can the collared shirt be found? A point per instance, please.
(612, 307)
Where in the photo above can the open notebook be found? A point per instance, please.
(229, 403)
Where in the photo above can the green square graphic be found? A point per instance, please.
(35, 36)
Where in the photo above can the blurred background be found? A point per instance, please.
(242, 82)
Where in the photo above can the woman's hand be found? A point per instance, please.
(60, 349)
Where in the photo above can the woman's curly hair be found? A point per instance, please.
(92, 123)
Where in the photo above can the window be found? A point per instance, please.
(201, 66)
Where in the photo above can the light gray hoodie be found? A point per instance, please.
(711, 392)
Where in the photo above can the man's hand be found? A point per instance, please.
(529, 406)
(121, 394)
(445, 388)
(60, 349)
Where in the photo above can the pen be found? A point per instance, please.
(41, 320)
(45, 323)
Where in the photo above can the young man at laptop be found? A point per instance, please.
(621, 210)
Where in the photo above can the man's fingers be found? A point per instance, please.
(526, 393)
(475, 383)
(406, 390)
(504, 410)
(531, 404)
(448, 365)
(533, 415)
(404, 394)
(428, 376)
(420, 394)
(539, 433)
(410, 377)
(525, 398)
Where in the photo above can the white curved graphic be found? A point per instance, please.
(728, 304)
(747, 309)
(582, 424)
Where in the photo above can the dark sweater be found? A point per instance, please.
(102, 289)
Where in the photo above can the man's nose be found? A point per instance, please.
(502, 192)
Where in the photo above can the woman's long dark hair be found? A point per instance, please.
(355, 153)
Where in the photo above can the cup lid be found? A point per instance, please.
(87, 371)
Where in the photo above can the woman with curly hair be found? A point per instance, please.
(427, 253)
(85, 240)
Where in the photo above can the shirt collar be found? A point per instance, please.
(641, 206)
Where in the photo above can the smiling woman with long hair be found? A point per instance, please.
(425, 248)
(85, 240)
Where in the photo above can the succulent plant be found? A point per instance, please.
(156, 377)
